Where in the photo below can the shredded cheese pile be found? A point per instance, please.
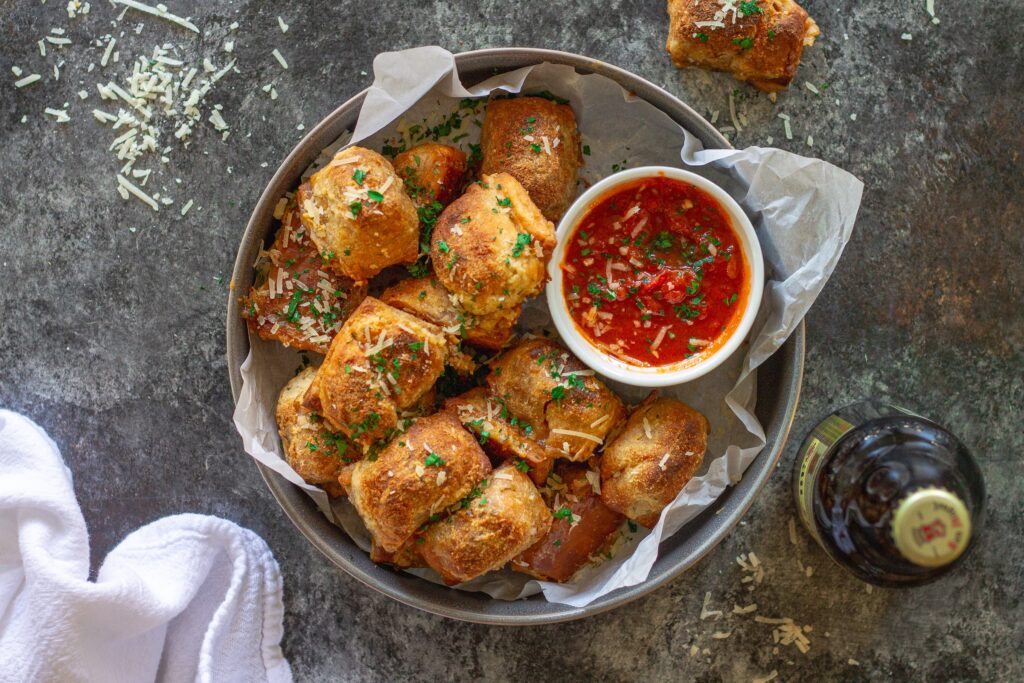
(153, 106)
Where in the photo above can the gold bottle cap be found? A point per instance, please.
(931, 527)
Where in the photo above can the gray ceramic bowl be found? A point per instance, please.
(778, 386)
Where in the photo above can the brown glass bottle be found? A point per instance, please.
(891, 496)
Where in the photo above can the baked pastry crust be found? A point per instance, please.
(414, 479)
(432, 172)
(507, 517)
(762, 47)
(359, 234)
(641, 474)
(383, 362)
(535, 140)
(554, 392)
(297, 300)
(491, 246)
(572, 541)
(500, 433)
(424, 297)
(315, 452)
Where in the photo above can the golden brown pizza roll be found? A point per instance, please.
(504, 516)
(536, 141)
(649, 462)
(358, 214)
(583, 526)
(315, 453)
(758, 41)
(432, 173)
(415, 478)
(549, 389)
(426, 298)
(383, 362)
(297, 300)
(491, 246)
(500, 432)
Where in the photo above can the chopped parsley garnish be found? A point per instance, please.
(355, 208)
(748, 7)
(522, 240)
(375, 196)
(563, 513)
(663, 241)
(443, 246)
(359, 176)
(586, 150)
(434, 460)
(730, 300)
(522, 466)
(702, 37)
(311, 446)
(505, 201)
(558, 393)
(744, 43)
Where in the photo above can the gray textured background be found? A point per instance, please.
(113, 339)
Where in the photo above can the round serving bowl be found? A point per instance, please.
(778, 383)
(615, 368)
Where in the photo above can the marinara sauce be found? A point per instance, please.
(654, 273)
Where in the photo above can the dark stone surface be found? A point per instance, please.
(113, 339)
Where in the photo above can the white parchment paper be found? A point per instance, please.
(803, 210)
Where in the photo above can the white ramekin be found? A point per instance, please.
(683, 371)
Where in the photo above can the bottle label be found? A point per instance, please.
(809, 461)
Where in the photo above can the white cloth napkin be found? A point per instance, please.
(185, 598)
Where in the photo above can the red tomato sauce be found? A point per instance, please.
(654, 273)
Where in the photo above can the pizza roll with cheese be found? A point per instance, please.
(433, 173)
(501, 433)
(583, 526)
(759, 41)
(297, 299)
(315, 452)
(490, 247)
(358, 214)
(535, 140)
(382, 363)
(548, 388)
(504, 516)
(426, 298)
(414, 479)
(649, 462)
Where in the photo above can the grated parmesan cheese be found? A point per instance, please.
(159, 11)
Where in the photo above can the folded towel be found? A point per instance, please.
(185, 598)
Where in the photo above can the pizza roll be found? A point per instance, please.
(759, 41)
(383, 362)
(536, 141)
(426, 298)
(491, 246)
(501, 433)
(414, 479)
(358, 214)
(297, 300)
(432, 173)
(583, 526)
(315, 453)
(649, 462)
(548, 388)
(504, 516)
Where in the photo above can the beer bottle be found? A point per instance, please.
(891, 496)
